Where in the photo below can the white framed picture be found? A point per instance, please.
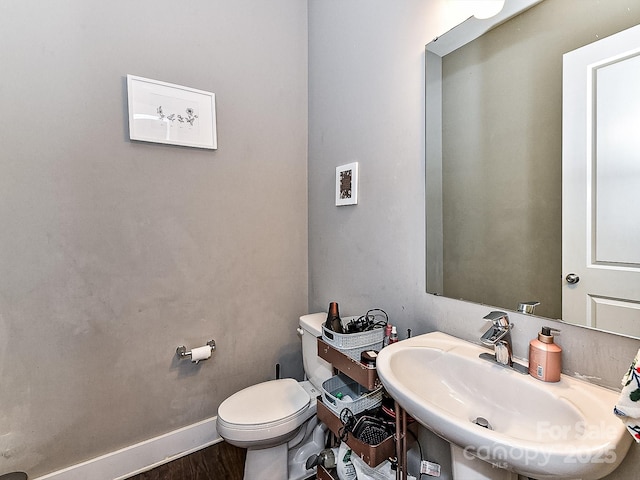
(162, 112)
(347, 184)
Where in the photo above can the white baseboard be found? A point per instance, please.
(143, 456)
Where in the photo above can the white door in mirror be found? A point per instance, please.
(601, 196)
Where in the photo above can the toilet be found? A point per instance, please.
(276, 420)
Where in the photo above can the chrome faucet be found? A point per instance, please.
(499, 337)
(528, 307)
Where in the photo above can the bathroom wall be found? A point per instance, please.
(112, 252)
(366, 104)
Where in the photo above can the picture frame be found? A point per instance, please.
(162, 112)
(347, 184)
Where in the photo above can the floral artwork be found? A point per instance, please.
(190, 117)
(162, 112)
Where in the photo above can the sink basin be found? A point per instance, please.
(542, 430)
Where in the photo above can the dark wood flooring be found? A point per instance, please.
(221, 461)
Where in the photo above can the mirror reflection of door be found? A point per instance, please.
(601, 184)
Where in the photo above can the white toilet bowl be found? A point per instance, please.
(276, 420)
(271, 420)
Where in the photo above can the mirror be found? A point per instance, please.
(494, 150)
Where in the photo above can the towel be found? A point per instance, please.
(628, 406)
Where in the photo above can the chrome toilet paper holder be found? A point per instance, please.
(182, 352)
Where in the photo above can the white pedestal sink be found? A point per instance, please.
(563, 430)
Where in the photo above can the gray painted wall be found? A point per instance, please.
(115, 252)
(366, 104)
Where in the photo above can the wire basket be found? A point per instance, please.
(371, 430)
(359, 399)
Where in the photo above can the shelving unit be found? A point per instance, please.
(372, 455)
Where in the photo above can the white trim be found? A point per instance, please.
(143, 456)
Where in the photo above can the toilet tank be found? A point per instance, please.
(316, 369)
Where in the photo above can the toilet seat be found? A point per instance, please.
(268, 411)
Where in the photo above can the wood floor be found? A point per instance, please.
(221, 461)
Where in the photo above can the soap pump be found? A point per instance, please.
(545, 356)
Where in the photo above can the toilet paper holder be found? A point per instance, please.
(182, 352)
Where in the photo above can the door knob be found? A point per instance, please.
(572, 278)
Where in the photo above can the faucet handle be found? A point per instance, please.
(503, 353)
(499, 319)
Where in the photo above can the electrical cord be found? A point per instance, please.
(348, 422)
(419, 448)
(378, 323)
(368, 321)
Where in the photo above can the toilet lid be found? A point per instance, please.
(266, 402)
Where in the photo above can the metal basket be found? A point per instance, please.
(371, 430)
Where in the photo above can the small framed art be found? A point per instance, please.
(163, 112)
(347, 184)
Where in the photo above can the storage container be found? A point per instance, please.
(353, 344)
(340, 386)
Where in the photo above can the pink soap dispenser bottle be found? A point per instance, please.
(545, 356)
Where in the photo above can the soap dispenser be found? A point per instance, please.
(545, 357)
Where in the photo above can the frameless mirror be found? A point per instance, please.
(494, 149)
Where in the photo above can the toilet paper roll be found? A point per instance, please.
(200, 353)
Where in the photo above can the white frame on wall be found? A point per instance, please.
(347, 184)
(162, 112)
